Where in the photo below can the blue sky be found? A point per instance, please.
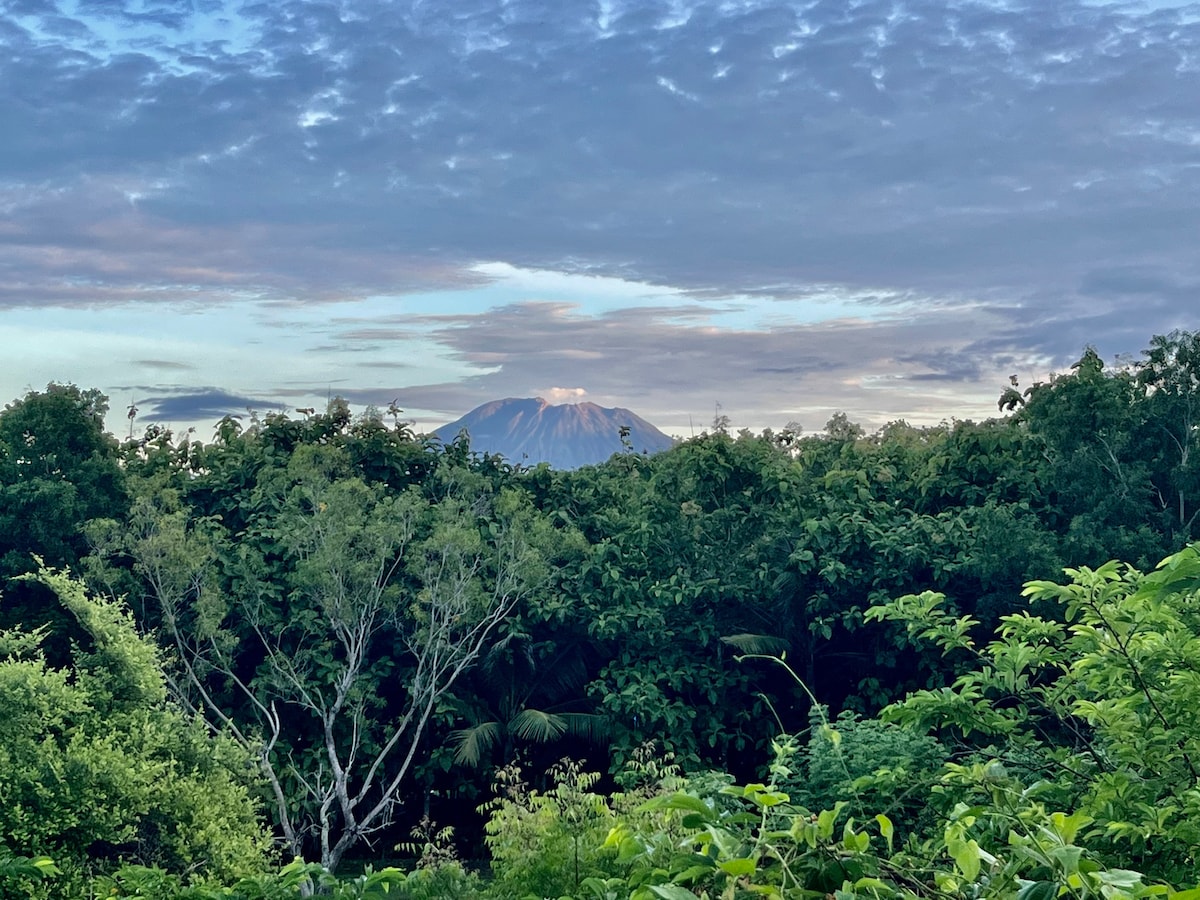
(785, 208)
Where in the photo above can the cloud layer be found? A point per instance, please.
(995, 184)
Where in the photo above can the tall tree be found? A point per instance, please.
(58, 469)
(1169, 373)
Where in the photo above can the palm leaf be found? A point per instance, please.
(498, 654)
(588, 726)
(535, 725)
(474, 743)
(756, 643)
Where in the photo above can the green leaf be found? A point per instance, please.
(691, 873)
(1120, 878)
(756, 643)
(45, 865)
(886, 829)
(1067, 858)
(474, 743)
(966, 857)
(672, 892)
(680, 801)
(1038, 890)
(535, 725)
(1068, 826)
(738, 867)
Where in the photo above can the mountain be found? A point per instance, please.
(530, 430)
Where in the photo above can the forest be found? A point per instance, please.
(325, 655)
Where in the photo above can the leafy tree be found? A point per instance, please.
(1169, 374)
(1120, 443)
(545, 843)
(58, 469)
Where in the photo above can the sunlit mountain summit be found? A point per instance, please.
(531, 430)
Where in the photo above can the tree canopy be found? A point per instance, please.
(367, 621)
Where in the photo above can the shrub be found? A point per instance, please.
(98, 767)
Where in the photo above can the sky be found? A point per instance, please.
(771, 210)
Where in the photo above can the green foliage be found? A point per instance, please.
(58, 469)
(545, 843)
(869, 765)
(297, 879)
(325, 634)
(301, 569)
(1121, 444)
(997, 841)
(22, 878)
(97, 767)
(1099, 701)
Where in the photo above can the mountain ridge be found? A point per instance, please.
(530, 430)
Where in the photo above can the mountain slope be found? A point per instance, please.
(530, 430)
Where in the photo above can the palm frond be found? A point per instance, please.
(590, 727)
(497, 654)
(756, 643)
(474, 743)
(536, 725)
(564, 675)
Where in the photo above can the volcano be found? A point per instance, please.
(528, 431)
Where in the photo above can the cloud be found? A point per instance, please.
(1015, 179)
(209, 405)
(170, 365)
(667, 368)
(911, 145)
(558, 395)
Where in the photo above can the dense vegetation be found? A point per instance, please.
(775, 664)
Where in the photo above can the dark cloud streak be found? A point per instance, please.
(209, 404)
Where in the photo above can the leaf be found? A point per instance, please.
(966, 857)
(681, 801)
(1038, 890)
(826, 819)
(538, 726)
(672, 892)
(474, 743)
(691, 873)
(738, 867)
(756, 643)
(589, 726)
(45, 865)
(886, 829)
(1120, 878)
(1067, 858)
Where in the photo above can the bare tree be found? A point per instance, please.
(354, 586)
